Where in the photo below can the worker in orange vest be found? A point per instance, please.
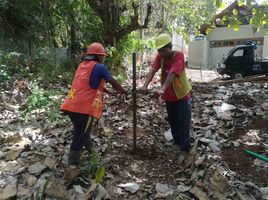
(84, 103)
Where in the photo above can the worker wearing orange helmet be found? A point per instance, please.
(175, 91)
(84, 103)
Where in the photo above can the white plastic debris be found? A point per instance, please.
(224, 107)
(131, 187)
(168, 135)
(264, 190)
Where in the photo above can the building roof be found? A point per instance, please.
(244, 14)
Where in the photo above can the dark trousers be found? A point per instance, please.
(81, 130)
(179, 117)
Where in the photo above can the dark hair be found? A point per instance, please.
(168, 45)
(92, 57)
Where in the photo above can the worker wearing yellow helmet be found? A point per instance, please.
(175, 91)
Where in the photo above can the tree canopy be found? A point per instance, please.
(76, 23)
(254, 14)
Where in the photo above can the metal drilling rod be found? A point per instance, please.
(134, 98)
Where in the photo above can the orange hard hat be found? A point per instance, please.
(96, 49)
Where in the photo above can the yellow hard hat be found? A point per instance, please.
(162, 40)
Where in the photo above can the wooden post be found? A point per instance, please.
(134, 101)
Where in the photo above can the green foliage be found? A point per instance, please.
(234, 23)
(120, 78)
(99, 174)
(240, 3)
(181, 15)
(41, 102)
(74, 24)
(219, 4)
(49, 23)
(119, 55)
(94, 161)
(5, 73)
(40, 194)
(235, 12)
(38, 71)
(12, 63)
(258, 16)
(43, 67)
(208, 30)
(94, 168)
(114, 60)
(48, 70)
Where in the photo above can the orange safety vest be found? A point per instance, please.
(82, 98)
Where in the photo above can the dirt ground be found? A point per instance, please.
(154, 161)
(147, 165)
(202, 75)
(243, 163)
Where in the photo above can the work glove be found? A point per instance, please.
(143, 90)
(157, 92)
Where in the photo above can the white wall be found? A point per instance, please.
(215, 54)
(179, 44)
(202, 56)
(265, 47)
(224, 33)
(198, 54)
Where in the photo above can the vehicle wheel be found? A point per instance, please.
(237, 75)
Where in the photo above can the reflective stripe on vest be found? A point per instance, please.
(82, 98)
(181, 84)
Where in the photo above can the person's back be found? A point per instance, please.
(84, 103)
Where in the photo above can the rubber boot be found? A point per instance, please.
(72, 170)
(89, 146)
(74, 158)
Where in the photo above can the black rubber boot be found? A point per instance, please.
(89, 146)
(74, 158)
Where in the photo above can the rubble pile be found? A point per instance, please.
(226, 121)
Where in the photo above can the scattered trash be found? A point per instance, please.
(224, 107)
(168, 135)
(131, 187)
(226, 121)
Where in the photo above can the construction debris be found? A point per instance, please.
(226, 121)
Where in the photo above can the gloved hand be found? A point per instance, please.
(143, 90)
(158, 92)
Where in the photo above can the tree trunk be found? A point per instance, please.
(109, 12)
